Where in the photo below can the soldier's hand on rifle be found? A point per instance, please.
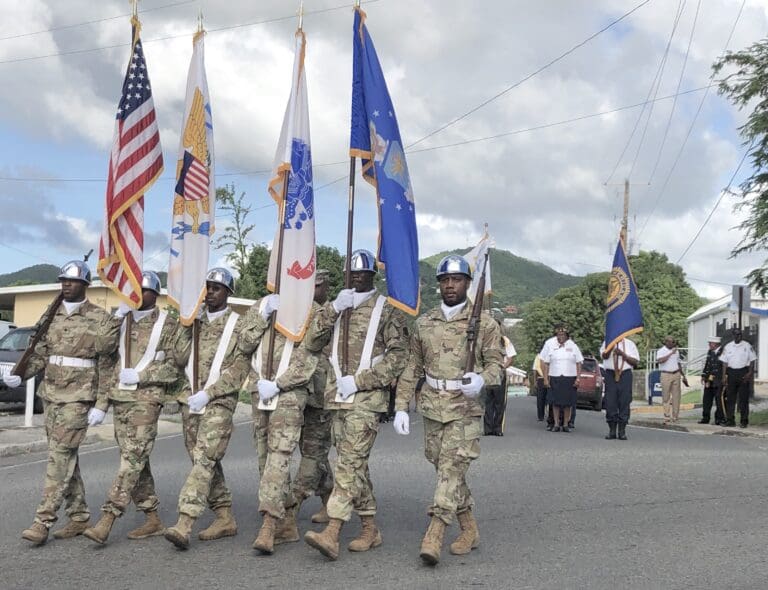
(96, 416)
(344, 300)
(271, 305)
(267, 389)
(122, 310)
(198, 401)
(12, 380)
(475, 385)
(347, 386)
(129, 376)
(402, 423)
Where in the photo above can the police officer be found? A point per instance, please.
(137, 392)
(75, 353)
(712, 382)
(738, 359)
(449, 402)
(377, 352)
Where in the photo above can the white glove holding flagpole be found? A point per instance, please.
(96, 416)
(344, 300)
(475, 385)
(402, 423)
(272, 304)
(267, 389)
(12, 380)
(198, 401)
(122, 310)
(129, 376)
(347, 386)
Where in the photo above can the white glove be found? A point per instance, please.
(129, 376)
(12, 380)
(344, 300)
(475, 385)
(267, 389)
(272, 304)
(198, 401)
(402, 422)
(122, 310)
(96, 416)
(346, 386)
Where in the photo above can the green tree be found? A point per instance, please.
(234, 236)
(746, 85)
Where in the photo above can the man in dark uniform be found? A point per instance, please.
(712, 381)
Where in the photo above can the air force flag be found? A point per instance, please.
(375, 139)
(623, 316)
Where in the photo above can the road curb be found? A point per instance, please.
(38, 446)
(702, 429)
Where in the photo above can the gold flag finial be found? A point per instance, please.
(134, 8)
(301, 15)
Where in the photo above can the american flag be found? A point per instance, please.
(135, 162)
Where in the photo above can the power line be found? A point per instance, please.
(529, 76)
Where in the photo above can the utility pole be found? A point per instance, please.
(625, 216)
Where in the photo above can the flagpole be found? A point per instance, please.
(488, 248)
(278, 273)
(195, 356)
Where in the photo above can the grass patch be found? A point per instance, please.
(759, 418)
(692, 397)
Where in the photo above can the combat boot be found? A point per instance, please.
(100, 532)
(152, 526)
(287, 531)
(321, 517)
(611, 431)
(179, 533)
(72, 529)
(469, 537)
(622, 432)
(223, 526)
(369, 537)
(37, 534)
(265, 541)
(432, 544)
(326, 542)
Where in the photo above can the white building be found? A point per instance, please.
(717, 318)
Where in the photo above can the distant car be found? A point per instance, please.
(12, 346)
(590, 392)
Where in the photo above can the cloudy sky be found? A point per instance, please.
(549, 187)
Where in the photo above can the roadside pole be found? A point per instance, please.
(29, 406)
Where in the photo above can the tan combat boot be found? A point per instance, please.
(326, 542)
(36, 534)
(287, 531)
(321, 517)
(432, 544)
(179, 533)
(369, 537)
(72, 529)
(469, 537)
(100, 532)
(265, 541)
(223, 526)
(152, 526)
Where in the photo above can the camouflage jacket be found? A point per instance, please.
(391, 344)
(88, 333)
(439, 349)
(320, 376)
(164, 370)
(225, 391)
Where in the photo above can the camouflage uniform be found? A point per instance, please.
(453, 423)
(355, 425)
(136, 412)
(207, 435)
(88, 333)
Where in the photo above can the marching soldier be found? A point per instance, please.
(377, 352)
(449, 402)
(137, 395)
(712, 381)
(207, 414)
(76, 355)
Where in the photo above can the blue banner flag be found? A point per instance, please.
(375, 139)
(623, 316)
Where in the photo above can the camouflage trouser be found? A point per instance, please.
(354, 432)
(450, 447)
(314, 475)
(135, 433)
(206, 437)
(65, 427)
(276, 434)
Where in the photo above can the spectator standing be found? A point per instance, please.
(671, 374)
(562, 363)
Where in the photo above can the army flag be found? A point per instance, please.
(135, 162)
(623, 316)
(476, 258)
(296, 209)
(194, 201)
(375, 139)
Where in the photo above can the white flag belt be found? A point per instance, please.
(218, 358)
(154, 339)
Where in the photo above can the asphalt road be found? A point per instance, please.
(662, 510)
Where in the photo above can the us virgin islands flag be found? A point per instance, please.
(194, 200)
(623, 316)
(375, 139)
(297, 209)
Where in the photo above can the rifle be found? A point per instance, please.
(474, 320)
(20, 368)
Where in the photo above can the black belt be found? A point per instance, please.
(670, 372)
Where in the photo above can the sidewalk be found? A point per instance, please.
(15, 439)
